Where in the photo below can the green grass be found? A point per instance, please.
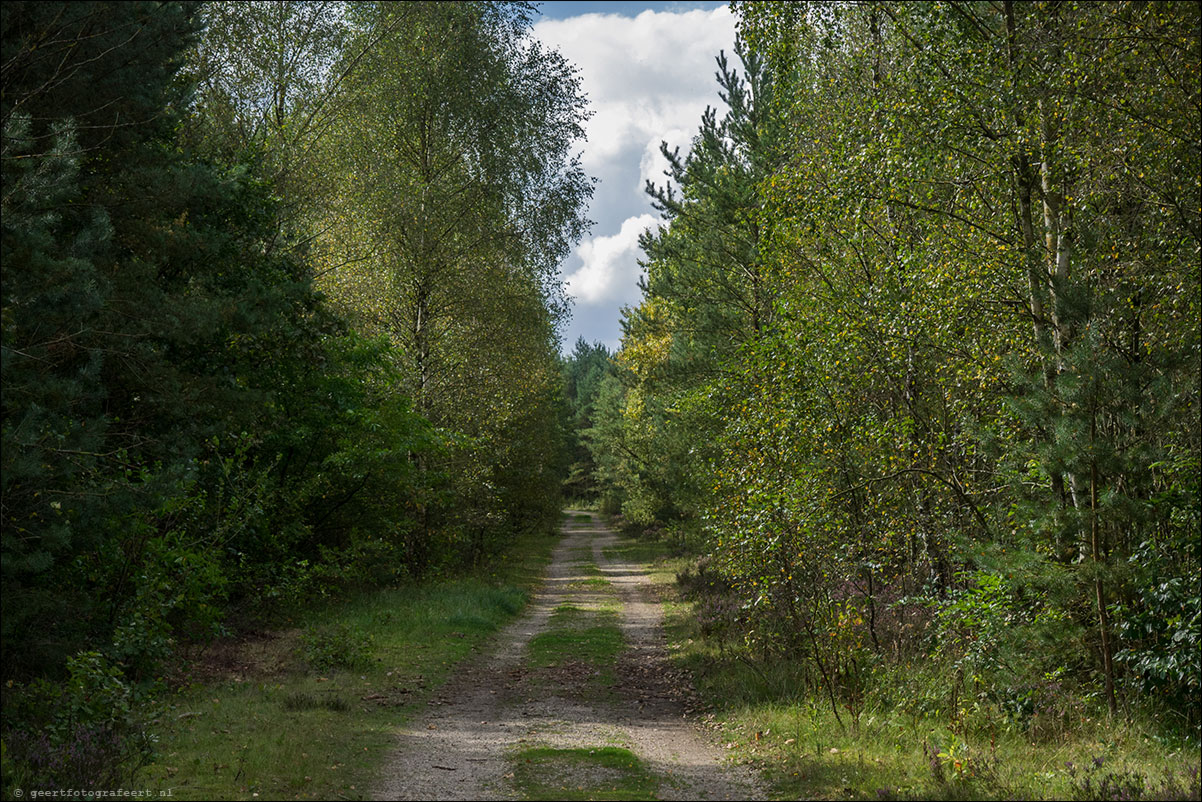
(805, 753)
(303, 733)
(581, 557)
(576, 635)
(657, 555)
(592, 577)
(582, 637)
(570, 774)
(765, 716)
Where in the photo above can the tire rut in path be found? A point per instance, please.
(495, 704)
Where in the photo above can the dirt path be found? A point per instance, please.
(467, 745)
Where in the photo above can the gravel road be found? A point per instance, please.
(496, 704)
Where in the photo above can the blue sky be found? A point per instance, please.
(648, 71)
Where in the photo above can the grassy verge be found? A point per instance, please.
(653, 553)
(804, 752)
(310, 713)
(599, 773)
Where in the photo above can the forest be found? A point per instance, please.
(914, 376)
(916, 362)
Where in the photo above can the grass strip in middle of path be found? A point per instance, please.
(590, 636)
(585, 773)
(578, 651)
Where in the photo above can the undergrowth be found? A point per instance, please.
(913, 730)
(310, 711)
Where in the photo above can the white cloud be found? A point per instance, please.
(653, 164)
(645, 76)
(609, 275)
(648, 78)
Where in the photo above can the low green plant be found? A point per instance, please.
(952, 760)
(284, 731)
(336, 646)
(577, 633)
(927, 730)
(298, 700)
(1096, 781)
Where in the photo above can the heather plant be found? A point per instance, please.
(84, 732)
(1098, 781)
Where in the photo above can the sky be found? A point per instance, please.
(648, 71)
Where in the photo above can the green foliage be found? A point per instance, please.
(707, 293)
(1160, 627)
(583, 373)
(187, 423)
(86, 732)
(115, 421)
(917, 358)
(193, 435)
(450, 195)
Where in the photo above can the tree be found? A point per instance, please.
(959, 198)
(970, 380)
(139, 306)
(184, 420)
(707, 294)
(458, 198)
(583, 372)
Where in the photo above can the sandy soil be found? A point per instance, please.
(496, 705)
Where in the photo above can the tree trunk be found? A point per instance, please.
(1099, 590)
